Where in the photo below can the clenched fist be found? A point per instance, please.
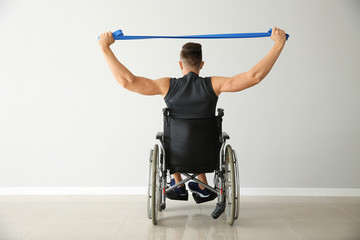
(106, 39)
(278, 35)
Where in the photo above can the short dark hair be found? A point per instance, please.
(191, 55)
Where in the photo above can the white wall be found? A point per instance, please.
(65, 121)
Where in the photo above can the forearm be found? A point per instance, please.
(262, 68)
(119, 71)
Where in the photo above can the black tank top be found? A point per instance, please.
(191, 97)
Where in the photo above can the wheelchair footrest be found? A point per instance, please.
(173, 195)
(220, 208)
(199, 199)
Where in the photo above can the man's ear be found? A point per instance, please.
(202, 64)
(181, 65)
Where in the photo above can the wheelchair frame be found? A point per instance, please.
(226, 180)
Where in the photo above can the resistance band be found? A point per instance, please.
(118, 35)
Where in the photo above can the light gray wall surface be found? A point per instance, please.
(65, 121)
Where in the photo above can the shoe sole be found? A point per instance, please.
(199, 199)
(199, 193)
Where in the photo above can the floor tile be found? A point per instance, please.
(6, 198)
(75, 229)
(329, 229)
(116, 217)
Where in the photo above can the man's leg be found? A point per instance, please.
(180, 192)
(202, 177)
(177, 177)
(202, 194)
(205, 196)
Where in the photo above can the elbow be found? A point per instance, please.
(125, 82)
(122, 81)
(255, 78)
(130, 78)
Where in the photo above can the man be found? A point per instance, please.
(203, 92)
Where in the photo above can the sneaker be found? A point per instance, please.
(179, 193)
(194, 187)
(200, 195)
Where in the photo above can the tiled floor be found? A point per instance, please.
(124, 217)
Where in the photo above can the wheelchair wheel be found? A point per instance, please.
(237, 183)
(153, 186)
(230, 185)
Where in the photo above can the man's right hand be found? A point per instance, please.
(278, 35)
(106, 39)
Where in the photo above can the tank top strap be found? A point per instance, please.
(171, 90)
(209, 86)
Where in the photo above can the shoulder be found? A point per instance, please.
(163, 81)
(217, 83)
(163, 84)
(218, 79)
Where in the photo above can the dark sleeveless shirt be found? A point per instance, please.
(191, 97)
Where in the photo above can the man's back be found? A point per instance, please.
(191, 97)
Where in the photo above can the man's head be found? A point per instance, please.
(191, 57)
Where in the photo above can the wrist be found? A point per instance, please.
(105, 48)
(280, 43)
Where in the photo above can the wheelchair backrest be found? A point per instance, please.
(192, 145)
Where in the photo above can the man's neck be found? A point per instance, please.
(186, 71)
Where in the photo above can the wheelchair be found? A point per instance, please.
(191, 147)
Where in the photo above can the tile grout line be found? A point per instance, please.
(32, 230)
(346, 213)
(41, 223)
(289, 228)
(202, 222)
(124, 220)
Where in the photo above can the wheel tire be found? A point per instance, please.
(230, 186)
(154, 198)
(237, 183)
(148, 212)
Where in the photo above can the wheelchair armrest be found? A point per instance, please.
(165, 112)
(159, 135)
(220, 112)
(225, 135)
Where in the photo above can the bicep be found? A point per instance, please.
(148, 86)
(234, 84)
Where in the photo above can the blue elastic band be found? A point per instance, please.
(118, 35)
